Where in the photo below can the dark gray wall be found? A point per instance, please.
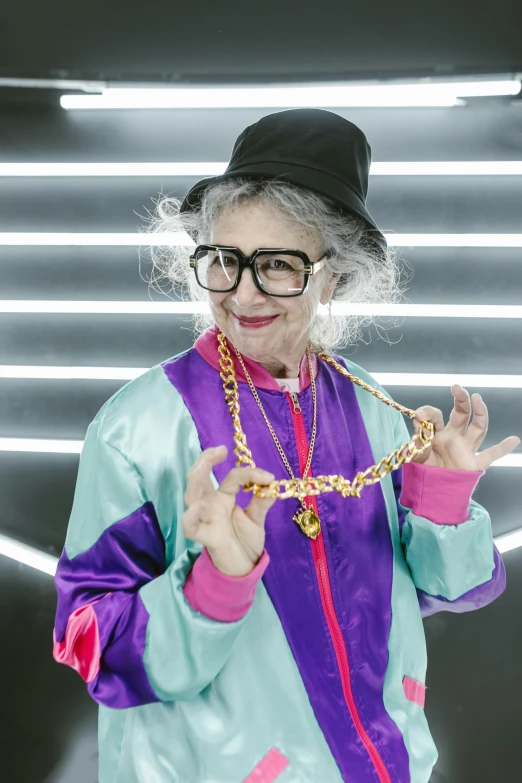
(238, 40)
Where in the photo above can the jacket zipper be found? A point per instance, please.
(321, 567)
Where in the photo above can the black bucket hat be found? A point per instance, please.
(313, 148)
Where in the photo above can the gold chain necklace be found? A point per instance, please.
(315, 485)
(306, 518)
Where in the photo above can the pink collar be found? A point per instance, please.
(207, 347)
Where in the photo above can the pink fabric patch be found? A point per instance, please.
(414, 690)
(218, 596)
(80, 648)
(441, 495)
(207, 347)
(269, 768)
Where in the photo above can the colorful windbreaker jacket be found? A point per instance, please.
(312, 668)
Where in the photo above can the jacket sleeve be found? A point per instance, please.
(446, 536)
(123, 620)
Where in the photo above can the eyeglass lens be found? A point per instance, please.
(279, 273)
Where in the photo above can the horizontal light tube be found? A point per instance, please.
(509, 541)
(463, 168)
(52, 446)
(261, 98)
(101, 307)
(28, 555)
(57, 373)
(46, 372)
(41, 445)
(201, 169)
(188, 169)
(454, 240)
(338, 308)
(41, 239)
(324, 94)
(140, 239)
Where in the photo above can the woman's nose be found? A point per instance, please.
(247, 293)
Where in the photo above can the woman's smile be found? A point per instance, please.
(254, 321)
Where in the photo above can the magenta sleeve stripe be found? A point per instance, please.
(461, 488)
(80, 648)
(269, 768)
(441, 495)
(218, 596)
(418, 487)
(414, 690)
(101, 621)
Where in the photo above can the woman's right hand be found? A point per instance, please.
(234, 537)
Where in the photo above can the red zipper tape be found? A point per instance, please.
(321, 567)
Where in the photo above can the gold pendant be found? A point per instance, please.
(308, 521)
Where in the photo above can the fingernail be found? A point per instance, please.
(421, 411)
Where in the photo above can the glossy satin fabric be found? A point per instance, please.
(80, 646)
(126, 556)
(472, 599)
(226, 694)
(357, 543)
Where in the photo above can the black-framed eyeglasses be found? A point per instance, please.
(276, 271)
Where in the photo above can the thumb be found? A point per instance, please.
(258, 508)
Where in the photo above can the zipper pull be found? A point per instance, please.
(295, 401)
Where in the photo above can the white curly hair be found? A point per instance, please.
(366, 274)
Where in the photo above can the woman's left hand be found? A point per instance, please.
(456, 444)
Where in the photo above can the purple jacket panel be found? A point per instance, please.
(125, 557)
(358, 548)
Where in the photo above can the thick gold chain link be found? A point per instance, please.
(316, 485)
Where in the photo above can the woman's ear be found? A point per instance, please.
(328, 289)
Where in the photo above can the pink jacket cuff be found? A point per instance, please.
(218, 596)
(441, 495)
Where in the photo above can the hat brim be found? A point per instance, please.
(312, 179)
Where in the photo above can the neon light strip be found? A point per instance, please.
(28, 555)
(332, 94)
(509, 541)
(37, 372)
(338, 308)
(41, 445)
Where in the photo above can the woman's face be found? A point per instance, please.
(282, 338)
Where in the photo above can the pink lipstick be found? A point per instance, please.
(254, 322)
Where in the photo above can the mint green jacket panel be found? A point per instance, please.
(406, 641)
(137, 453)
(203, 727)
(255, 704)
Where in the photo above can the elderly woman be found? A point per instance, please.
(230, 634)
